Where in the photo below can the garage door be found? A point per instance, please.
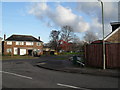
(22, 51)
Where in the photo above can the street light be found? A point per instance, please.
(103, 35)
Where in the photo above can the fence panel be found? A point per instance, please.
(113, 55)
(94, 55)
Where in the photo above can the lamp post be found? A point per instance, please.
(103, 35)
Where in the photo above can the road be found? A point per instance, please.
(24, 74)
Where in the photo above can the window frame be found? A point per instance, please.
(40, 44)
(9, 50)
(19, 43)
(30, 44)
(9, 42)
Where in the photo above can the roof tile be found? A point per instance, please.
(23, 38)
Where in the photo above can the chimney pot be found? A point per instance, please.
(115, 25)
(4, 36)
(39, 37)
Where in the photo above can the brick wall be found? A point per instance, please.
(34, 46)
(0, 46)
(115, 38)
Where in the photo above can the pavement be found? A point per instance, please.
(67, 66)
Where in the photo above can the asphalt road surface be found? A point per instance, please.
(24, 74)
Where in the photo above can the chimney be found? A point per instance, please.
(115, 25)
(4, 36)
(39, 37)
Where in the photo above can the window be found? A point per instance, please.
(38, 43)
(9, 42)
(9, 50)
(19, 43)
(40, 50)
(35, 50)
(29, 43)
(61, 42)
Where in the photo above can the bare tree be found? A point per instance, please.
(90, 36)
(75, 39)
(77, 44)
(67, 33)
(54, 39)
(64, 39)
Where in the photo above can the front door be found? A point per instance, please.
(15, 51)
(30, 52)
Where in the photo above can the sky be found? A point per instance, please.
(40, 18)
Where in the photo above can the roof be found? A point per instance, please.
(115, 23)
(99, 42)
(109, 35)
(22, 38)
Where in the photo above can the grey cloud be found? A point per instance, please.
(64, 16)
(93, 9)
(59, 17)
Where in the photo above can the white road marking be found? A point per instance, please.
(16, 74)
(64, 85)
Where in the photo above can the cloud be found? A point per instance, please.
(95, 25)
(38, 9)
(59, 17)
(63, 15)
(90, 8)
(94, 10)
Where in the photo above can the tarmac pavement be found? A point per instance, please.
(67, 66)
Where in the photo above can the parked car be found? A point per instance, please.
(37, 53)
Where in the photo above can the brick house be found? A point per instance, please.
(22, 45)
(65, 46)
(114, 36)
(0, 45)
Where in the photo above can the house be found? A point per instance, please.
(47, 50)
(94, 51)
(99, 42)
(0, 45)
(22, 45)
(114, 36)
(65, 46)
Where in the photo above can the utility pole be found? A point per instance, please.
(104, 67)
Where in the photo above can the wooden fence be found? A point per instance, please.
(94, 55)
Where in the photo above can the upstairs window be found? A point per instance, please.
(29, 43)
(39, 44)
(19, 43)
(9, 42)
